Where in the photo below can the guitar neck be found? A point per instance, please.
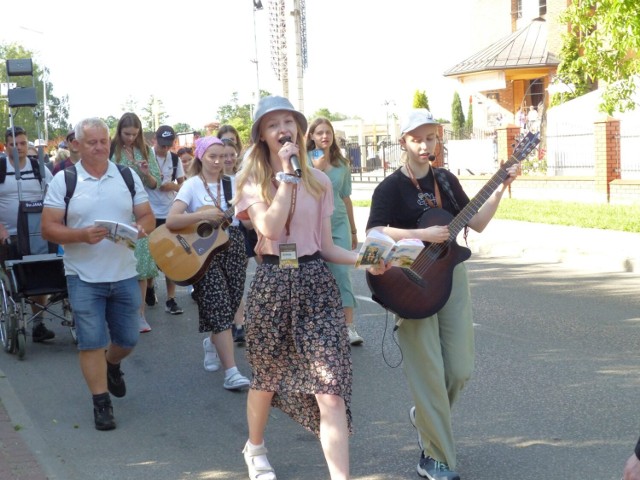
(524, 147)
(228, 218)
(467, 213)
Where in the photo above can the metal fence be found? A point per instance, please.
(373, 162)
(567, 151)
(629, 154)
(570, 154)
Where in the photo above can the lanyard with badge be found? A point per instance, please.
(216, 201)
(288, 253)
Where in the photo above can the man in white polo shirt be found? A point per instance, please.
(101, 274)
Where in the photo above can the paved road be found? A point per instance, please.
(554, 394)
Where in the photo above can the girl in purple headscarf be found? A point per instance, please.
(204, 198)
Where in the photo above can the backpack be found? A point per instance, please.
(30, 241)
(174, 161)
(35, 169)
(71, 180)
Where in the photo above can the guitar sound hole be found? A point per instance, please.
(204, 229)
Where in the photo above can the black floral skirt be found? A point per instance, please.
(297, 341)
(219, 292)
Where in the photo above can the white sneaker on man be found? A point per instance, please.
(354, 338)
(144, 325)
(211, 358)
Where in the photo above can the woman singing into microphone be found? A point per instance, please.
(297, 341)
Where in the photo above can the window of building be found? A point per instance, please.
(535, 92)
(542, 5)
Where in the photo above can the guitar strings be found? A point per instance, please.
(429, 255)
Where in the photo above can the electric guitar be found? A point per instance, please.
(424, 288)
(184, 255)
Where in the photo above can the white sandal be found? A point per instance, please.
(258, 472)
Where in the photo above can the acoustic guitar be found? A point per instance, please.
(424, 288)
(184, 255)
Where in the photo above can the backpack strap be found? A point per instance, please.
(128, 179)
(226, 187)
(3, 168)
(174, 161)
(71, 180)
(35, 167)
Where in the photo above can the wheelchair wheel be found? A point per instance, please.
(21, 345)
(8, 318)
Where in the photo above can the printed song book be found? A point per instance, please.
(121, 233)
(377, 245)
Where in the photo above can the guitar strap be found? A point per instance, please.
(440, 177)
(226, 188)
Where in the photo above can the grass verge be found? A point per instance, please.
(625, 218)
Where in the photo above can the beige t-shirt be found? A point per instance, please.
(306, 222)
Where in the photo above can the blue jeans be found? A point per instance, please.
(100, 306)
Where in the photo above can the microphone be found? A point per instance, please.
(431, 157)
(295, 162)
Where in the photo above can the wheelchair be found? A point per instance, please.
(22, 281)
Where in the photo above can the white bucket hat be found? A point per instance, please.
(272, 104)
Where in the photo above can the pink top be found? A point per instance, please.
(306, 223)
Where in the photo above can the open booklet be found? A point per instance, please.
(121, 233)
(377, 245)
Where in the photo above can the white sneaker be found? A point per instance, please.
(354, 338)
(211, 359)
(412, 418)
(237, 381)
(144, 325)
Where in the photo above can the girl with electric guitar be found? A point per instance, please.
(438, 351)
(203, 199)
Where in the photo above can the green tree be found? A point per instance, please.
(457, 116)
(468, 126)
(332, 117)
(32, 118)
(153, 114)
(183, 127)
(607, 34)
(112, 123)
(420, 100)
(571, 72)
(239, 116)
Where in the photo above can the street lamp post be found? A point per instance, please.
(257, 5)
(44, 90)
(386, 104)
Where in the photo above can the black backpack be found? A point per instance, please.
(71, 180)
(35, 169)
(30, 240)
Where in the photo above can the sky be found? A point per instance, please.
(365, 58)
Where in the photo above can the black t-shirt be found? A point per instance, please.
(396, 203)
